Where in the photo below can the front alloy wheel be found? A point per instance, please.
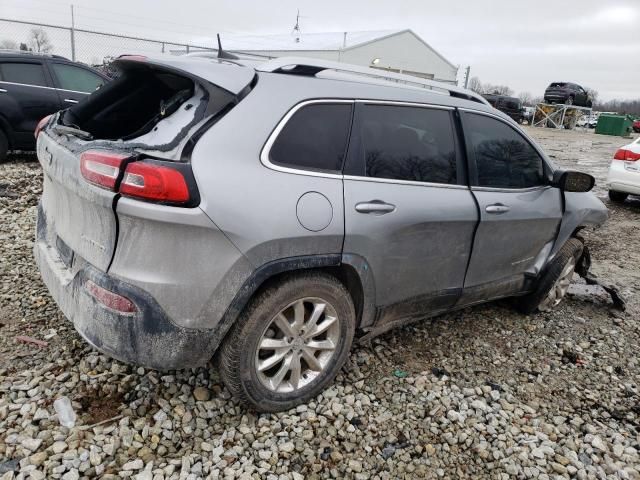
(559, 288)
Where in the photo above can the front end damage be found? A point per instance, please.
(583, 210)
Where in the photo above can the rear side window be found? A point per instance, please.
(25, 73)
(504, 158)
(76, 78)
(314, 138)
(407, 143)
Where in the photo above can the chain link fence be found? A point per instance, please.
(85, 46)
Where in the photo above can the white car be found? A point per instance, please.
(624, 172)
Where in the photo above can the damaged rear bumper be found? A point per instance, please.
(146, 337)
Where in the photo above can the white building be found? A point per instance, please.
(394, 50)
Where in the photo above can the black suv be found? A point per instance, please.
(512, 106)
(567, 93)
(33, 86)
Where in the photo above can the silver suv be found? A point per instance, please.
(265, 214)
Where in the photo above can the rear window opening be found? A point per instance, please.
(148, 106)
(558, 84)
(131, 105)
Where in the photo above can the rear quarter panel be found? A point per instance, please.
(253, 205)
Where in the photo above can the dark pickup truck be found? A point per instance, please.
(512, 106)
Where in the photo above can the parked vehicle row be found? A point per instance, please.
(269, 213)
(33, 86)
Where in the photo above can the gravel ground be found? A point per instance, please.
(481, 393)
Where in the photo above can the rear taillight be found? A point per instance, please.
(102, 168)
(41, 125)
(110, 299)
(150, 180)
(154, 182)
(626, 155)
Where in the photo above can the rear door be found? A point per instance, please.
(26, 96)
(73, 82)
(408, 211)
(519, 212)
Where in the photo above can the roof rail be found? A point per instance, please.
(14, 51)
(312, 66)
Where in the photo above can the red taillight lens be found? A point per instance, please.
(101, 168)
(137, 58)
(109, 299)
(41, 125)
(154, 182)
(626, 155)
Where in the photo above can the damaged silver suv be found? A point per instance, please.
(265, 214)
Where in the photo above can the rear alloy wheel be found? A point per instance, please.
(297, 345)
(4, 146)
(290, 342)
(553, 284)
(617, 197)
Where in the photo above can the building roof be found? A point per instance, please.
(308, 41)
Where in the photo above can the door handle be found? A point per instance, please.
(69, 100)
(2, 90)
(376, 207)
(497, 208)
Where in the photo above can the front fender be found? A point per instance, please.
(581, 209)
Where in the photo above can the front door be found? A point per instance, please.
(408, 210)
(520, 212)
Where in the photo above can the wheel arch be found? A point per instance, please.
(352, 271)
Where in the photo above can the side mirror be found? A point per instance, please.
(573, 181)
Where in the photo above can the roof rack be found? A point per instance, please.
(29, 52)
(311, 66)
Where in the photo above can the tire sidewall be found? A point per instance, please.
(262, 315)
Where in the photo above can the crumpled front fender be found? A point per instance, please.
(581, 210)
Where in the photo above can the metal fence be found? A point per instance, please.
(86, 46)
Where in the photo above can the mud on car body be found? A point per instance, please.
(265, 214)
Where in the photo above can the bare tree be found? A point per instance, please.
(39, 40)
(498, 89)
(526, 98)
(593, 94)
(7, 44)
(475, 85)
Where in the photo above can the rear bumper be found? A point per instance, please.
(146, 338)
(621, 179)
(556, 97)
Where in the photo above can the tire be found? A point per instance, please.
(570, 252)
(4, 146)
(239, 358)
(617, 197)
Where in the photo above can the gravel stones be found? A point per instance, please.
(488, 393)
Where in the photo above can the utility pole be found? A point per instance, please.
(466, 76)
(73, 36)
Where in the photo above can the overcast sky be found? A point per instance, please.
(523, 44)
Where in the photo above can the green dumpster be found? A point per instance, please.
(619, 125)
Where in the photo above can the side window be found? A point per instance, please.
(25, 73)
(504, 158)
(75, 78)
(314, 138)
(407, 143)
